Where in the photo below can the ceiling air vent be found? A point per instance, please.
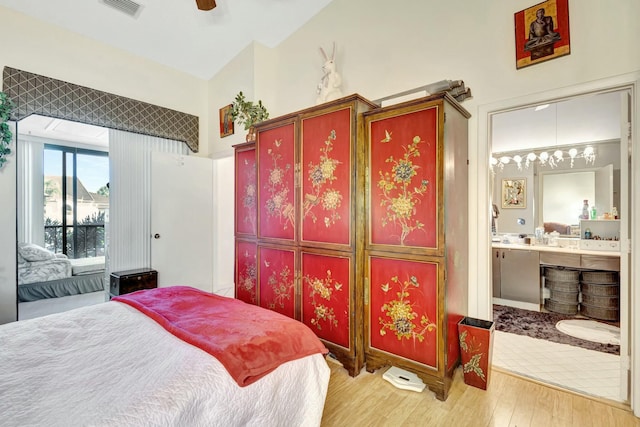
(129, 7)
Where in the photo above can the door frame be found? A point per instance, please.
(480, 296)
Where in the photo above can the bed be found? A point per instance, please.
(113, 364)
(44, 274)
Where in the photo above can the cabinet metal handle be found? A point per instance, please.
(156, 236)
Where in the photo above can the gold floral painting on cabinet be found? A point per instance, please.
(276, 157)
(326, 296)
(403, 174)
(246, 197)
(403, 308)
(326, 178)
(277, 267)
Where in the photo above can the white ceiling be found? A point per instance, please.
(174, 32)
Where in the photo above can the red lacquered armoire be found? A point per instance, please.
(416, 238)
(299, 228)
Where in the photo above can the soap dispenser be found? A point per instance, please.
(587, 234)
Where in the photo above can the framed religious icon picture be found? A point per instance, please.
(542, 32)
(226, 121)
(514, 193)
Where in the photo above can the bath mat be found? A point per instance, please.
(542, 326)
(590, 330)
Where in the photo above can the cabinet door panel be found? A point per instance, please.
(276, 194)
(403, 308)
(326, 178)
(246, 195)
(520, 275)
(246, 272)
(276, 278)
(326, 291)
(404, 179)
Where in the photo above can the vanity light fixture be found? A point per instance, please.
(544, 158)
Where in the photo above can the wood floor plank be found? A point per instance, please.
(369, 400)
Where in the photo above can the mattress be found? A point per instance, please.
(109, 364)
(91, 265)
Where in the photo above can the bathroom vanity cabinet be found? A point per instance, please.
(517, 274)
(516, 268)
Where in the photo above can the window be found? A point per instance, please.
(76, 198)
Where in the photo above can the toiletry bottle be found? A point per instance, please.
(593, 212)
(614, 212)
(585, 210)
(587, 233)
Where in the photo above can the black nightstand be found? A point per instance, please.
(124, 282)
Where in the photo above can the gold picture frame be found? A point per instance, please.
(514, 193)
(542, 32)
(226, 121)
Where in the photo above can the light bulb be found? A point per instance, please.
(558, 155)
(544, 156)
(573, 153)
(504, 159)
(531, 157)
(493, 161)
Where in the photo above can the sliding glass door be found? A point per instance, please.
(76, 197)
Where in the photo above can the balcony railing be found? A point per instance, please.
(89, 240)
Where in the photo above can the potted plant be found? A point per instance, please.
(248, 114)
(6, 106)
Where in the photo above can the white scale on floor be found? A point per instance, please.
(403, 379)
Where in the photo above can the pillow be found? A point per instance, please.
(32, 252)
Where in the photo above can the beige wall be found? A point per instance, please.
(384, 49)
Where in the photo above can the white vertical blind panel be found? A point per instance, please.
(30, 155)
(130, 197)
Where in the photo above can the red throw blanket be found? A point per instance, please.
(248, 340)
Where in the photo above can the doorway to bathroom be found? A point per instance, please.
(577, 133)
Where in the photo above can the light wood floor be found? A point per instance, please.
(368, 400)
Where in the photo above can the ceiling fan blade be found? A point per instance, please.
(206, 4)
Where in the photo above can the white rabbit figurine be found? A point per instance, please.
(329, 87)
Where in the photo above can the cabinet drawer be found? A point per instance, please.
(554, 258)
(599, 262)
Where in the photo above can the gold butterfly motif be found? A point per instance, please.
(385, 287)
(387, 136)
(266, 263)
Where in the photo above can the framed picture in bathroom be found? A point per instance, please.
(514, 193)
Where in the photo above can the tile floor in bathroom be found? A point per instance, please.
(585, 371)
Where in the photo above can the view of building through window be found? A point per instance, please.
(76, 197)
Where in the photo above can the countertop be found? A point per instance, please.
(557, 249)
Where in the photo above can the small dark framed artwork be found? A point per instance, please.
(542, 32)
(513, 193)
(226, 121)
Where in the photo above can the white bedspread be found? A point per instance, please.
(42, 271)
(110, 365)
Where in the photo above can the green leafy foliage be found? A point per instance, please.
(6, 106)
(246, 113)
